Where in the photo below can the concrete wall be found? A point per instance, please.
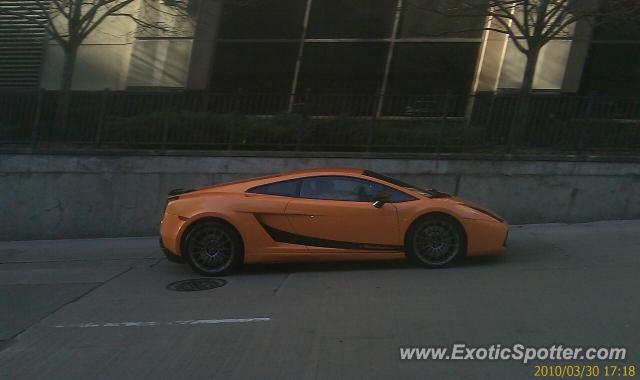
(74, 196)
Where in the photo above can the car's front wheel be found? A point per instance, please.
(213, 248)
(435, 241)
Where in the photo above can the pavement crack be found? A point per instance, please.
(8, 342)
(156, 263)
(4, 343)
(277, 288)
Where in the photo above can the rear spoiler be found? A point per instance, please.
(174, 195)
(176, 192)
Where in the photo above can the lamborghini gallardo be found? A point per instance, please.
(323, 214)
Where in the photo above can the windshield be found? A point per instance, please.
(431, 193)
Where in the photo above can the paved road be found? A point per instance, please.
(570, 284)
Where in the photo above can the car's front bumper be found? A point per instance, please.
(485, 237)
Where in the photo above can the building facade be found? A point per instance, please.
(322, 46)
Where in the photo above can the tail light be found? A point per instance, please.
(174, 195)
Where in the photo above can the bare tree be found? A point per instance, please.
(70, 22)
(530, 25)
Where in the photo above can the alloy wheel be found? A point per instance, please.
(211, 249)
(436, 242)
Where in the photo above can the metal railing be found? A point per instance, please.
(320, 122)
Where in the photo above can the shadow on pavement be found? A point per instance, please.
(359, 265)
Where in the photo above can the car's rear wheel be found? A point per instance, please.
(435, 241)
(213, 248)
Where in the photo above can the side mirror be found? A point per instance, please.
(378, 204)
(380, 199)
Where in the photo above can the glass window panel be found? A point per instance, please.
(419, 21)
(284, 188)
(612, 69)
(351, 18)
(428, 68)
(553, 59)
(620, 31)
(262, 19)
(148, 65)
(258, 67)
(615, 27)
(342, 67)
(164, 13)
(395, 196)
(345, 189)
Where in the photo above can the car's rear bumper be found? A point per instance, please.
(170, 227)
(170, 255)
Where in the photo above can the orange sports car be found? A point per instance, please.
(323, 214)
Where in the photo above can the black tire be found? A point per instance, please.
(213, 248)
(435, 241)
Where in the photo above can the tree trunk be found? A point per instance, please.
(520, 119)
(64, 96)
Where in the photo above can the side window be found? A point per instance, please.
(284, 188)
(396, 196)
(348, 189)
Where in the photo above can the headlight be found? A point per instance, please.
(486, 212)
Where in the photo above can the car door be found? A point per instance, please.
(337, 213)
(266, 205)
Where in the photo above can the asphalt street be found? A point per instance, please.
(101, 309)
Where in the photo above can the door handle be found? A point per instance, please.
(297, 212)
